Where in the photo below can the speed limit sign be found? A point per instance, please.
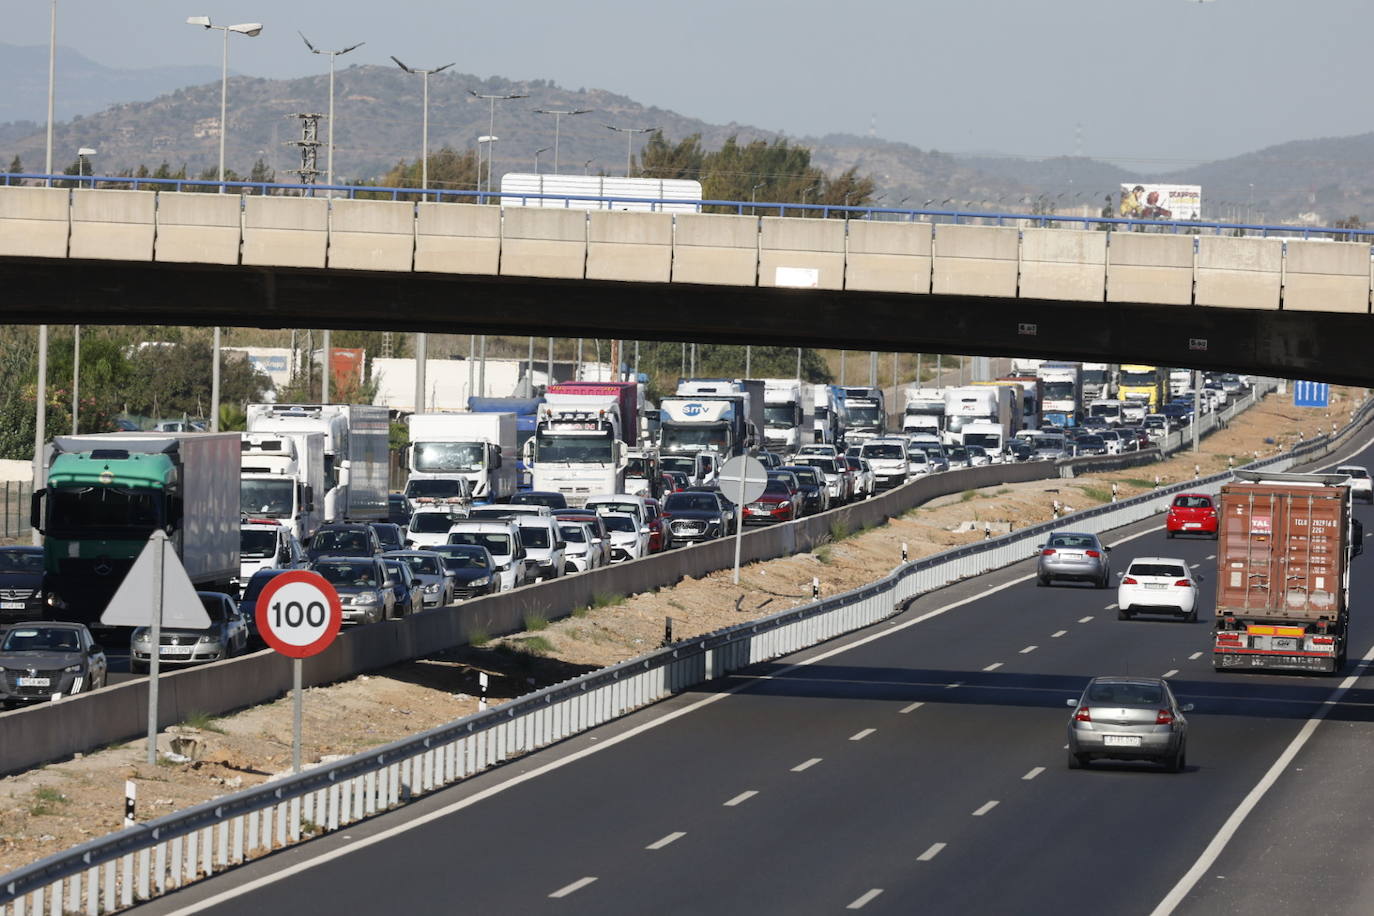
(298, 613)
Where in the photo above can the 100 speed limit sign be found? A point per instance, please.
(298, 613)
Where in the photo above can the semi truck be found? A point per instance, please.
(477, 447)
(581, 437)
(1284, 546)
(1099, 381)
(1063, 384)
(105, 495)
(1145, 384)
(716, 424)
(788, 421)
(924, 412)
(526, 412)
(357, 452)
(751, 389)
(281, 477)
(866, 412)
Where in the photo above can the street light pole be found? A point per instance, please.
(542, 149)
(329, 177)
(557, 117)
(491, 122)
(424, 121)
(52, 75)
(252, 30)
(629, 133)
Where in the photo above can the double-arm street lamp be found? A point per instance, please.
(629, 133)
(252, 30)
(491, 125)
(329, 176)
(557, 118)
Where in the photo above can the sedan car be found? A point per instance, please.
(1128, 718)
(226, 637)
(839, 484)
(1157, 585)
(21, 583)
(1360, 485)
(1090, 444)
(863, 476)
(1191, 513)
(583, 550)
(434, 580)
(362, 586)
(629, 539)
(811, 482)
(777, 503)
(42, 659)
(1075, 556)
(473, 569)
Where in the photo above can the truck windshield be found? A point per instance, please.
(271, 498)
(956, 424)
(687, 466)
(694, 437)
(638, 468)
(779, 416)
(84, 511)
(1059, 391)
(257, 543)
(431, 522)
(925, 410)
(449, 456)
(1138, 379)
(986, 440)
(573, 449)
(864, 414)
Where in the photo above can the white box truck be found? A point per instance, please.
(788, 421)
(479, 447)
(281, 477)
(357, 452)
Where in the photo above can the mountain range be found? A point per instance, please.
(170, 114)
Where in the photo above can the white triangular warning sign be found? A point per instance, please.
(133, 604)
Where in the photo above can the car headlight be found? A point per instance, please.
(365, 598)
(478, 583)
(208, 638)
(432, 589)
(71, 669)
(786, 503)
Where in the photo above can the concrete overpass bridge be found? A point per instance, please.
(933, 281)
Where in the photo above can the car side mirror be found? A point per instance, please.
(1186, 707)
(1070, 702)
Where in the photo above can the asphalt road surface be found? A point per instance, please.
(917, 766)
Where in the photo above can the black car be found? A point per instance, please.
(21, 583)
(410, 592)
(42, 658)
(698, 515)
(344, 539)
(248, 602)
(554, 501)
(397, 509)
(1090, 444)
(811, 484)
(391, 536)
(1020, 449)
(472, 568)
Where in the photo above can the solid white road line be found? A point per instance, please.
(1058, 633)
(1233, 823)
(670, 838)
(741, 798)
(930, 853)
(1029, 649)
(993, 667)
(1195, 656)
(806, 765)
(859, 736)
(571, 888)
(1171, 672)
(862, 901)
(1034, 772)
(1085, 619)
(912, 707)
(985, 809)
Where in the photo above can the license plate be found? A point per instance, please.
(34, 682)
(11, 605)
(178, 650)
(1154, 584)
(1285, 642)
(1192, 524)
(1073, 556)
(1121, 740)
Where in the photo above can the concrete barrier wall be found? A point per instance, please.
(629, 246)
(1149, 268)
(1065, 264)
(719, 250)
(805, 253)
(1320, 277)
(458, 239)
(372, 235)
(888, 257)
(543, 243)
(198, 228)
(1238, 273)
(113, 225)
(35, 222)
(285, 231)
(975, 260)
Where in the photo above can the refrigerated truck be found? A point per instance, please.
(478, 447)
(357, 452)
(1063, 383)
(1284, 546)
(1146, 384)
(788, 422)
(281, 477)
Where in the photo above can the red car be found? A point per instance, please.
(779, 503)
(1191, 513)
(660, 537)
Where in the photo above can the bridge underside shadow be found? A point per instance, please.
(1325, 346)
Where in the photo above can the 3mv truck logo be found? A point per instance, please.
(693, 410)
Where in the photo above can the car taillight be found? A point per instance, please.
(1183, 583)
(1047, 552)
(1093, 553)
(1084, 714)
(1129, 581)
(1323, 640)
(1165, 717)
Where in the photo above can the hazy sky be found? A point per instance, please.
(1151, 82)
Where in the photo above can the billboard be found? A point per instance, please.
(1161, 201)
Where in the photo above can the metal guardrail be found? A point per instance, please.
(740, 207)
(147, 860)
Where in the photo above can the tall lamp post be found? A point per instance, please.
(557, 118)
(82, 157)
(252, 30)
(629, 133)
(491, 122)
(329, 177)
(542, 149)
(424, 118)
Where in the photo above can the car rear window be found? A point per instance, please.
(1193, 502)
(1125, 695)
(1073, 540)
(1356, 473)
(1157, 569)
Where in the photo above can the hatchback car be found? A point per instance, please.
(1157, 585)
(1079, 557)
(436, 582)
(1360, 485)
(41, 659)
(1128, 718)
(777, 503)
(21, 583)
(226, 637)
(629, 539)
(365, 593)
(584, 550)
(1191, 513)
(698, 515)
(406, 586)
(473, 568)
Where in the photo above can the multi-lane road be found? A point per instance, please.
(917, 766)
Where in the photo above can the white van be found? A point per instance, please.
(544, 543)
(429, 527)
(502, 540)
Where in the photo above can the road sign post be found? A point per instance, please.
(746, 478)
(298, 615)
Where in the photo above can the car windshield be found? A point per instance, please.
(881, 450)
(854, 463)
(1080, 541)
(1355, 473)
(535, 537)
(42, 639)
(552, 500)
(390, 537)
(1169, 570)
(1193, 502)
(626, 508)
(620, 523)
(1091, 441)
(450, 456)
(957, 454)
(496, 542)
(1125, 694)
(266, 497)
(21, 561)
(421, 564)
(777, 487)
(334, 541)
(435, 489)
(431, 522)
(257, 543)
(467, 558)
(573, 533)
(824, 464)
(361, 575)
(688, 502)
(574, 449)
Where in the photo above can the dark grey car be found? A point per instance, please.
(42, 659)
(362, 583)
(21, 583)
(1077, 556)
(436, 582)
(1128, 718)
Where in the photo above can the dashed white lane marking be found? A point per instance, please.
(670, 838)
(1086, 619)
(1034, 772)
(859, 736)
(571, 888)
(1029, 649)
(741, 798)
(985, 808)
(1211, 556)
(911, 708)
(806, 765)
(993, 667)
(1110, 607)
(1195, 656)
(1194, 565)
(930, 853)
(1058, 633)
(1171, 672)
(862, 901)
(955, 684)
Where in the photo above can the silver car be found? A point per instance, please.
(1128, 718)
(1080, 557)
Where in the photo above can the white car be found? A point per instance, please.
(863, 476)
(918, 463)
(1360, 485)
(502, 540)
(977, 456)
(819, 450)
(429, 527)
(584, 550)
(889, 460)
(544, 542)
(265, 543)
(1157, 585)
(629, 539)
(837, 482)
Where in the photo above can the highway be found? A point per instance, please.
(915, 766)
